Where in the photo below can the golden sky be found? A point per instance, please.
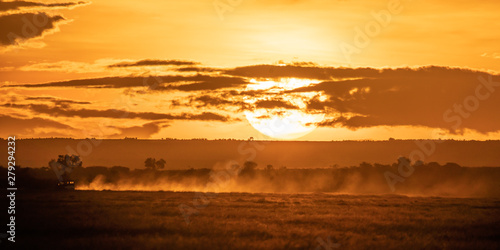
(289, 69)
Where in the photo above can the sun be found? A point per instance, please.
(289, 122)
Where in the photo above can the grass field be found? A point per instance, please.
(153, 220)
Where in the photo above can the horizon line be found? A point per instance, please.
(250, 139)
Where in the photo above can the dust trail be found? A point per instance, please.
(427, 180)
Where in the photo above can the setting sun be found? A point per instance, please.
(275, 117)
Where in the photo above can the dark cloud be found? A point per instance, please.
(205, 101)
(197, 69)
(20, 27)
(27, 125)
(163, 83)
(153, 62)
(208, 83)
(338, 73)
(244, 93)
(227, 102)
(436, 97)
(272, 104)
(298, 71)
(144, 131)
(205, 116)
(17, 5)
(58, 102)
(115, 113)
(106, 82)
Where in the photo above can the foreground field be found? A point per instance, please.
(145, 220)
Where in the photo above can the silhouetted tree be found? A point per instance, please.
(248, 168)
(335, 166)
(403, 161)
(271, 173)
(269, 168)
(418, 163)
(365, 165)
(433, 164)
(451, 165)
(150, 163)
(160, 164)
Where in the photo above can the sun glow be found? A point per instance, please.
(289, 121)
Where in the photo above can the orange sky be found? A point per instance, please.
(185, 69)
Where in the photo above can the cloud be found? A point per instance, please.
(206, 116)
(106, 82)
(144, 131)
(27, 126)
(17, 28)
(453, 99)
(57, 111)
(154, 62)
(494, 55)
(436, 97)
(299, 71)
(272, 104)
(17, 5)
(206, 100)
(57, 101)
(65, 66)
(197, 69)
(114, 65)
(39, 127)
(228, 102)
(181, 83)
(207, 83)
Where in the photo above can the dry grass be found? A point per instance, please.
(152, 220)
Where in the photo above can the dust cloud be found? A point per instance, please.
(429, 179)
